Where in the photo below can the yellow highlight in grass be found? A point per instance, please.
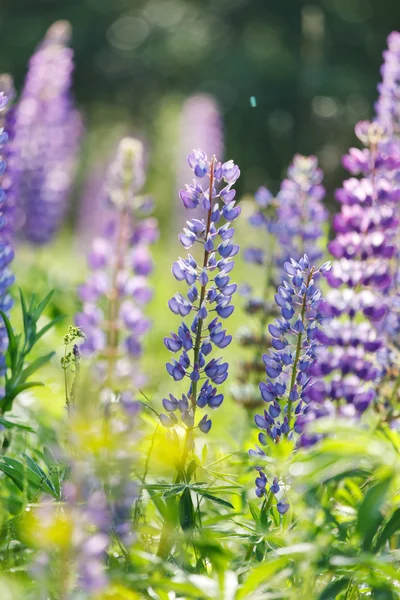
(49, 525)
(117, 592)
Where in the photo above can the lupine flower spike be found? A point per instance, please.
(288, 364)
(47, 132)
(117, 288)
(361, 275)
(388, 104)
(294, 223)
(6, 215)
(209, 298)
(301, 214)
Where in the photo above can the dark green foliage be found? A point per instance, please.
(20, 347)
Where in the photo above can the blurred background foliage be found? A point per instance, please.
(312, 68)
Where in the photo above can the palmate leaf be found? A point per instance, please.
(21, 473)
(37, 469)
(17, 352)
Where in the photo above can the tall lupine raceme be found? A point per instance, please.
(388, 115)
(257, 305)
(288, 364)
(301, 214)
(117, 288)
(47, 132)
(6, 215)
(362, 274)
(209, 298)
(388, 105)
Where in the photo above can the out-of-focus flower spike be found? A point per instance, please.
(120, 261)
(6, 211)
(48, 129)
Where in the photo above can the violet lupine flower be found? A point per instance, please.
(6, 214)
(47, 133)
(301, 214)
(388, 115)
(117, 288)
(210, 292)
(294, 343)
(364, 249)
(388, 105)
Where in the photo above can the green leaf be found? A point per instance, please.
(259, 575)
(159, 504)
(12, 349)
(37, 469)
(174, 490)
(369, 513)
(13, 475)
(35, 365)
(191, 469)
(390, 528)
(333, 589)
(11, 425)
(213, 498)
(255, 512)
(42, 305)
(19, 472)
(24, 310)
(14, 391)
(186, 511)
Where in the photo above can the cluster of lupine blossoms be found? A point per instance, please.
(288, 363)
(332, 350)
(292, 225)
(48, 129)
(117, 288)
(7, 210)
(210, 291)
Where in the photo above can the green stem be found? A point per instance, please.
(113, 296)
(196, 348)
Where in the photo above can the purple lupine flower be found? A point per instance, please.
(47, 133)
(362, 274)
(209, 298)
(301, 214)
(117, 287)
(388, 104)
(288, 363)
(388, 115)
(6, 213)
